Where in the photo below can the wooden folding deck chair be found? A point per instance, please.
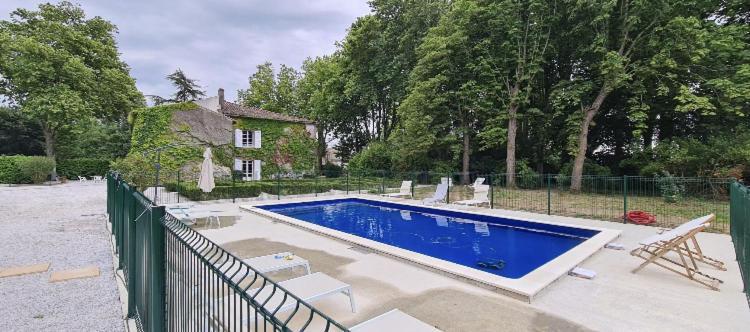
(678, 240)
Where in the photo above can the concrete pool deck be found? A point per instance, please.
(616, 300)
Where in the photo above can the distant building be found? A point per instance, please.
(331, 157)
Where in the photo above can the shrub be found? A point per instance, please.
(376, 156)
(73, 168)
(331, 170)
(25, 169)
(671, 190)
(9, 171)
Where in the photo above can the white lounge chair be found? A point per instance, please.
(477, 182)
(308, 288)
(405, 190)
(82, 179)
(440, 192)
(678, 240)
(447, 181)
(97, 178)
(277, 262)
(394, 320)
(481, 196)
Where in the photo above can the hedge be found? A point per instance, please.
(73, 168)
(25, 169)
(224, 190)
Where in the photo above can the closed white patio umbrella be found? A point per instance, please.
(206, 178)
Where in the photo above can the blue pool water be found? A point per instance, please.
(506, 247)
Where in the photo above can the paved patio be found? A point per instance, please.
(616, 300)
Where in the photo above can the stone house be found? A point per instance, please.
(263, 143)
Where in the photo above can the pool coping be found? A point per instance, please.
(524, 288)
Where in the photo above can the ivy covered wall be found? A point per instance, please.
(285, 146)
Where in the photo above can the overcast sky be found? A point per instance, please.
(217, 42)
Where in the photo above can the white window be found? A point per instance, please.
(247, 138)
(250, 169)
(247, 170)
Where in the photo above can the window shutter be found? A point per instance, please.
(256, 139)
(237, 139)
(256, 169)
(237, 164)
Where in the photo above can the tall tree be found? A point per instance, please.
(513, 37)
(608, 55)
(61, 67)
(261, 92)
(377, 56)
(187, 88)
(285, 94)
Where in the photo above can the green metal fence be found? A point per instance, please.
(178, 280)
(740, 230)
(671, 200)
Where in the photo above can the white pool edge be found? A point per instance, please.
(524, 288)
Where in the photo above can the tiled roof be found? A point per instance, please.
(235, 110)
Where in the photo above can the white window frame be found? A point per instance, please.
(247, 170)
(247, 140)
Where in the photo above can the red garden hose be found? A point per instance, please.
(641, 217)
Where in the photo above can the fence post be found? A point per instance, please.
(492, 192)
(157, 295)
(448, 194)
(315, 184)
(234, 190)
(278, 185)
(359, 184)
(382, 183)
(413, 180)
(549, 196)
(127, 214)
(624, 199)
(178, 186)
(130, 246)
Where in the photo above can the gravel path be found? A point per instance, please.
(64, 225)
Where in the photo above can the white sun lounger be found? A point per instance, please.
(405, 190)
(478, 182)
(394, 320)
(82, 179)
(481, 196)
(308, 288)
(277, 262)
(440, 192)
(678, 240)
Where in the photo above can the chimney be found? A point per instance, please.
(221, 97)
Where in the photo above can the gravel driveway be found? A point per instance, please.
(63, 225)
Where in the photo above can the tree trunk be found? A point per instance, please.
(583, 138)
(465, 168)
(510, 157)
(49, 146)
(321, 149)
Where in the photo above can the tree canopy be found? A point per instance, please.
(61, 68)
(546, 86)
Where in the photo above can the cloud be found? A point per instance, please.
(219, 43)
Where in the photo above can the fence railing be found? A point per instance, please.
(740, 230)
(671, 200)
(178, 280)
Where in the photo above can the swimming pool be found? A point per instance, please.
(468, 244)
